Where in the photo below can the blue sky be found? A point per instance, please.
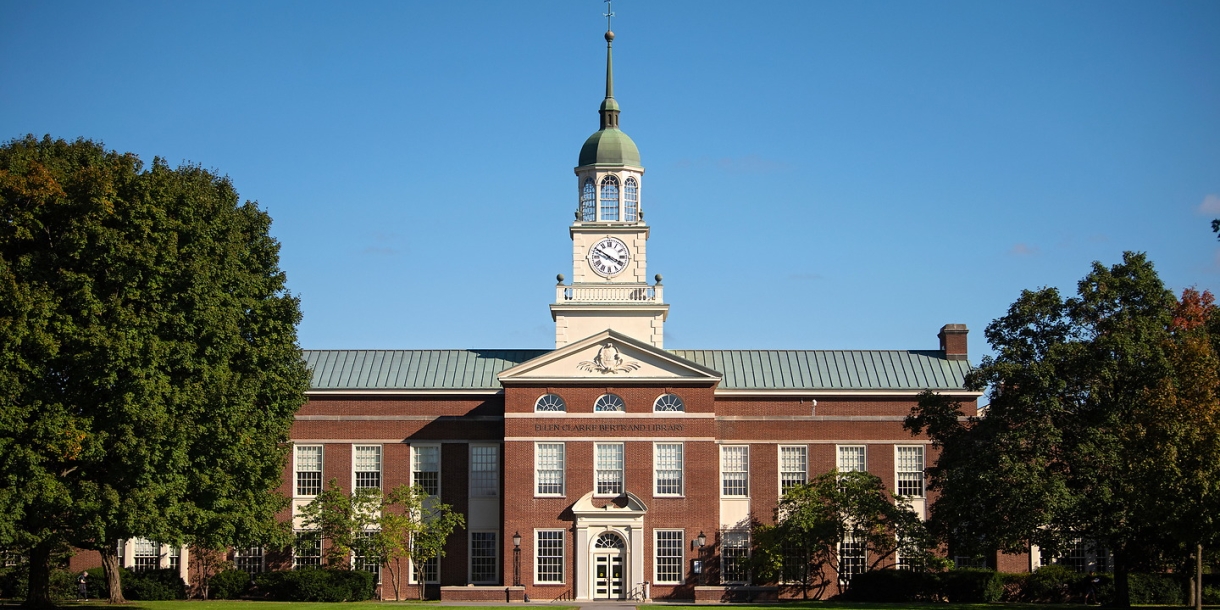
(846, 175)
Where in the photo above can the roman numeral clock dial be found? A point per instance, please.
(608, 257)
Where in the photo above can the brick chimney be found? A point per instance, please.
(953, 341)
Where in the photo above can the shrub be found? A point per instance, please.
(1015, 585)
(316, 585)
(889, 586)
(1155, 589)
(1051, 584)
(971, 586)
(229, 584)
(63, 585)
(154, 585)
(13, 582)
(1211, 595)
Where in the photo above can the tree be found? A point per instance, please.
(149, 371)
(1102, 426)
(406, 524)
(814, 521)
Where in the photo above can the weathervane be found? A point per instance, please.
(608, 14)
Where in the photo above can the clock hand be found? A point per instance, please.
(608, 255)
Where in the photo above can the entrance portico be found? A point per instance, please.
(609, 546)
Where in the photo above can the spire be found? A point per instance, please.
(609, 108)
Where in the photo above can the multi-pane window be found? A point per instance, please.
(795, 562)
(147, 555)
(609, 198)
(365, 561)
(368, 466)
(669, 547)
(173, 556)
(631, 200)
(307, 552)
(735, 471)
(851, 559)
(431, 569)
(549, 469)
(608, 461)
(484, 471)
(668, 402)
(910, 470)
(9, 558)
(588, 205)
(548, 561)
(609, 403)
(550, 403)
(309, 470)
(851, 458)
(482, 557)
(668, 468)
(734, 557)
(1077, 556)
(248, 559)
(793, 467)
(426, 468)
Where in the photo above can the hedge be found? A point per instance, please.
(316, 585)
(145, 585)
(229, 584)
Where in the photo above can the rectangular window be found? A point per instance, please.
(734, 553)
(667, 464)
(609, 466)
(851, 559)
(793, 467)
(431, 569)
(548, 465)
(669, 547)
(249, 559)
(795, 558)
(483, 557)
(368, 466)
(484, 471)
(307, 552)
(851, 458)
(426, 468)
(909, 462)
(365, 561)
(309, 470)
(549, 557)
(735, 471)
(146, 554)
(173, 556)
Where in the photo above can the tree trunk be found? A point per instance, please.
(110, 566)
(1122, 584)
(38, 593)
(1199, 577)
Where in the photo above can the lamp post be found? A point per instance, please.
(701, 540)
(517, 559)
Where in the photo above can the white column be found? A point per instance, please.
(582, 563)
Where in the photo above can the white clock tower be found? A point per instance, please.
(609, 288)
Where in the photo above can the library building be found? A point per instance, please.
(608, 467)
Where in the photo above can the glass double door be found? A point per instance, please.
(608, 576)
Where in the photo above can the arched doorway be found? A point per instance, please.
(609, 555)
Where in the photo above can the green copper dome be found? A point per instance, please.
(609, 147)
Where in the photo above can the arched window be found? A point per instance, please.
(609, 403)
(631, 200)
(550, 403)
(588, 203)
(609, 209)
(609, 540)
(668, 402)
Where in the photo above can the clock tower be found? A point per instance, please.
(609, 288)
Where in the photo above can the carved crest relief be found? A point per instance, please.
(608, 361)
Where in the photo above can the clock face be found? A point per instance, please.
(608, 256)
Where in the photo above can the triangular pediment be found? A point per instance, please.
(609, 357)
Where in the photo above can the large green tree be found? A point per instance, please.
(1103, 425)
(149, 370)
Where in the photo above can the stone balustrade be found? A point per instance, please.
(624, 293)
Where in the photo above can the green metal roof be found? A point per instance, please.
(609, 146)
(742, 369)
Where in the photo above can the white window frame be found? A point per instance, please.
(898, 471)
(415, 448)
(804, 449)
(622, 470)
(610, 397)
(656, 471)
(724, 538)
(495, 577)
(243, 556)
(563, 470)
(485, 492)
(296, 535)
(746, 464)
(547, 397)
(839, 457)
(845, 577)
(656, 556)
(296, 486)
(380, 465)
(666, 397)
(563, 556)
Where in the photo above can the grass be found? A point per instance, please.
(254, 605)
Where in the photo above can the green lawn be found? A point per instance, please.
(257, 605)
